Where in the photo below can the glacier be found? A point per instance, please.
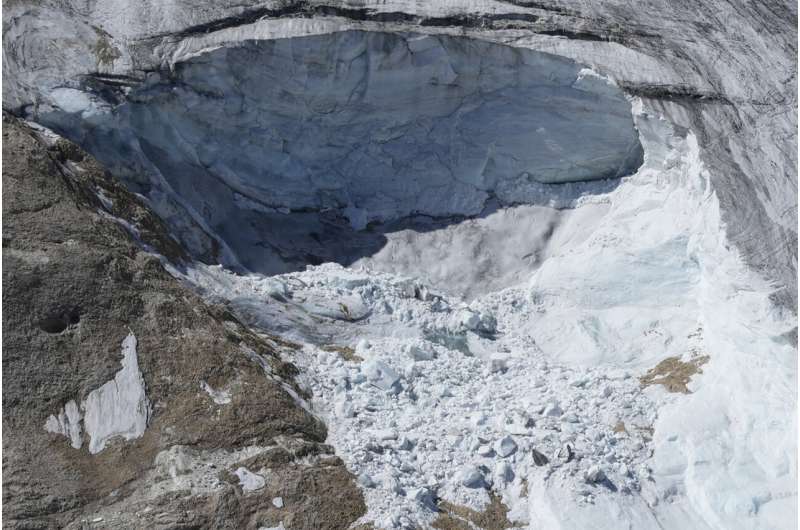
(481, 223)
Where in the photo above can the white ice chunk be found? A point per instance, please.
(366, 481)
(503, 472)
(248, 480)
(553, 409)
(595, 474)
(345, 409)
(381, 375)
(421, 354)
(424, 497)
(468, 319)
(498, 362)
(505, 447)
(471, 477)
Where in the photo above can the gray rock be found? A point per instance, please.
(564, 454)
(76, 283)
(538, 458)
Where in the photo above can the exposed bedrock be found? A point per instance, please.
(108, 359)
(372, 126)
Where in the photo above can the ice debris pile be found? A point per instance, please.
(429, 399)
(530, 393)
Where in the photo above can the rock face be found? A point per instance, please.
(126, 364)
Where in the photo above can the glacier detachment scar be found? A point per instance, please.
(376, 126)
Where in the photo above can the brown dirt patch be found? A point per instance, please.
(455, 517)
(674, 374)
(347, 353)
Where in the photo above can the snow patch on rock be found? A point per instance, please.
(220, 397)
(248, 480)
(68, 423)
(118, 408)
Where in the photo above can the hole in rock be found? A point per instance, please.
(421, 154)
(59, 320)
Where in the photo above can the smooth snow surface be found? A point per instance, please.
(531, 389)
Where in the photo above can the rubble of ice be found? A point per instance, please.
(532, 392)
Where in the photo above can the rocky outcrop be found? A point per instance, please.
(107, 361)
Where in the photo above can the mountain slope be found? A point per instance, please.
(75, 286)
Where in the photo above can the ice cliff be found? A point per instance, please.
(375, 126)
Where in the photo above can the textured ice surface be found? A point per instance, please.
(375, 126)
